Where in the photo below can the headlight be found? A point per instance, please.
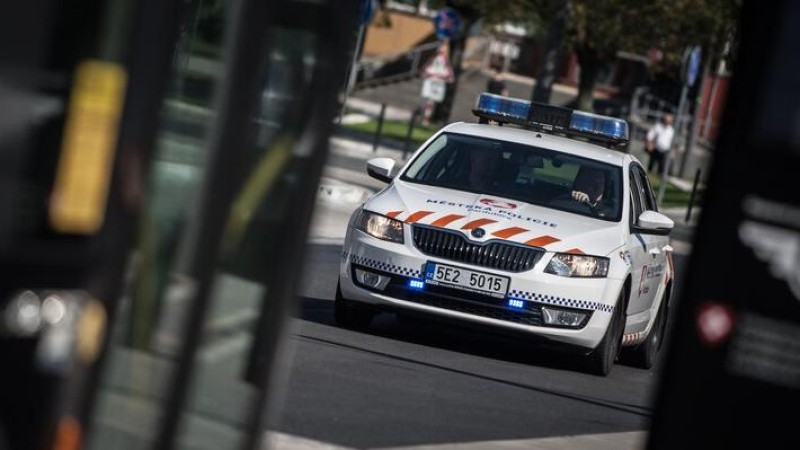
(379, 226)
(582, 266)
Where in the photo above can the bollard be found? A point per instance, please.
(379, 130)
(411, 124)
(692, 196)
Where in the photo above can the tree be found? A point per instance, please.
(598, 29)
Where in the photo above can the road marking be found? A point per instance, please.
(602, 441)
(274, 440)
(605, 441)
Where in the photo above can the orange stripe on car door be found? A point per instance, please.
(418, 215)
(477, 224)
(446, 220)
(508, 232)
(541, 241)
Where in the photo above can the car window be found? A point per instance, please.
(521, 172)
(647, 201)
(647, 190)
(636, 199)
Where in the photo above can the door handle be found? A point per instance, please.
(655, 251)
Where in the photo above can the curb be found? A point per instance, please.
(335, 191)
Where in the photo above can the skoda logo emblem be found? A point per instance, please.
(478, 233)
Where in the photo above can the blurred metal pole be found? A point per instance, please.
(379, 130)
(667, 165)
(691, 197)
(410, 132)
(226, 158)
(696, 102)
(353, 72)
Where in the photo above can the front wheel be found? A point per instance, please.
(348, 315)
(602, 358)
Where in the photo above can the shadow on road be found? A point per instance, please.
(483, 341)
(467, 341)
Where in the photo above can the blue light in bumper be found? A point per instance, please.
(416, 285)
(514, 303)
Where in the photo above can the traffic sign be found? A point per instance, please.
(439, 66)
(434, 89)
(447, 23)
(367, 11)
(691, 65)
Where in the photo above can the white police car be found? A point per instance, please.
(519, 229)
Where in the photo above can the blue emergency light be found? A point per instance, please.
(515, 303)
(550, 118)
(416, 285)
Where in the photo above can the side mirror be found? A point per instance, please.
(655, 223)
(381, 169)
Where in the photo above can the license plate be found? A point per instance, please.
(466, 279)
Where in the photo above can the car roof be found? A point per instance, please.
(543, 140)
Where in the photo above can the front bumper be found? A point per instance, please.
(402, 262)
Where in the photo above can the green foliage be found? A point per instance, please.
(708, 23)
(528, 13)
(598, 29)
(604, 27)
(395, 130)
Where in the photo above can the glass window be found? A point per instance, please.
(643, 191)
(520, 172)
(647, 190)
(636, 199)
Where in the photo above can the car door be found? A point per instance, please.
(660, 243)
(648, 260)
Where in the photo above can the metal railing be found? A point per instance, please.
(390, 67)
(647, 109)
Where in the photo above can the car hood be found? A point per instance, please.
(499, 218)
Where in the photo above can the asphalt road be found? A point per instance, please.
(404, 384)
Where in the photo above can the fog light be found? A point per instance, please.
(562, 318)
(372, 280)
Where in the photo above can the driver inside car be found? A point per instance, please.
(589, 186)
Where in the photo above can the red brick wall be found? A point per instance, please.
(709, 130)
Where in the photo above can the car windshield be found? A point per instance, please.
(521, 172)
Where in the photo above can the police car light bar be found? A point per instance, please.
(552, 118)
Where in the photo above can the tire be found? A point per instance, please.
(346, 315)
(602, 358)
(645, 354)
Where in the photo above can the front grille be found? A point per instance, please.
(454, 246)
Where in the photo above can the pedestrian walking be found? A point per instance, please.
(659, 143)
(497, 84)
